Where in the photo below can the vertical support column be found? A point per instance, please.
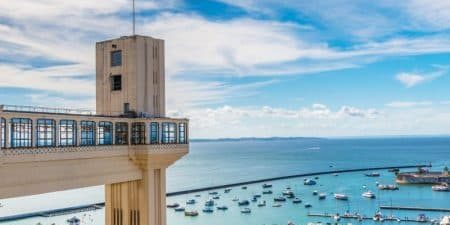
(34, 133)
(129, 134)
(114, 133)
(147, 133)
(78, 133)
(177, 133)
(152, 194)
(57, 134)
(8, 133)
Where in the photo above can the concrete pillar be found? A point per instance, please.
(78, 126)
(57, 134)
(8, 133)
(34, 133)
(147, 133)
(141, 202)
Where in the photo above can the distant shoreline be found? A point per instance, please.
(312, 138)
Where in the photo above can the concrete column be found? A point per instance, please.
(8, 133)
(147, 133)
(57, 134)
(129, 134)
(114, 133)
(34, 133)
(78, 133)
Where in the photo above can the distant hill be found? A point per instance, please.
(254, 139)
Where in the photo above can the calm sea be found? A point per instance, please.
(221, 162)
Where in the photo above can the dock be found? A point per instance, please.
(409, 208)
(363, 217)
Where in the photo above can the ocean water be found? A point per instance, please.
(214, 163)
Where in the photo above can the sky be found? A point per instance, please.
(323, 68)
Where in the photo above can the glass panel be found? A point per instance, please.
(21, 130)
(116, 58)
(105, 133)
(138, 133)
(169, 133)
(67, 133)
(87, 133)
(3, 129)
(45, 129)
(121, 133)
(154, 126)
(182, 133)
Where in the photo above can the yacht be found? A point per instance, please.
(288, 192)
(296, 201)
(190, 213)
(445, 220)
(210, 202)
(266, 185)
(208, 210)
(173, 205)
(441, 187)
(341, 197)
(246, 210)
(224, 207)
(322, 196)
(368, 194)
(276, 205)
(279, 199)
(309, 182)
(267, 192)
(190, 201)
(390, 187)
(262, 204)
(243, 202)
(179, 209)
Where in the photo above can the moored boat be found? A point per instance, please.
(267, 192)
(262, 204)
(210, 202)
(373, 174)
(309, 182)
(208, 210)
(296, 201)
(267, 185)
(73, 221)
(190, 201)
(227, 190)
(389, 187)
(307, 205)
(445, 220)
(243, 202)
(246, 210)
(322, 196)
(191, 213)
(368, 194)
(173, 205)
(441, 187)
(179, 209)
(340, 196)
(276, 205)
(279, 199)
(223, 207)
(315, 192)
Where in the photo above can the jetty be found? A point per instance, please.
(363, 217)
(409, 208)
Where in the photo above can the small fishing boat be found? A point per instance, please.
(73, 221)
(267, 185)
(309, 182)
(173, 205)
(316, 178)
(190, 202)
(191, 213)
(208, 210)
(288, 192)
(441, 187)
(261, 203)
(216, 197)
(243, 202)
(227, 190)
(368, 194)
(267, 192)
(341, 197)
(179, 209)
(244, 187)
(276, 205)
(389, 187)
(394, 170)
(296, 201)
(322, 196)
(254, 199)
(279, 199)
(373, 174)
(197, 196)
(210, 202)
(315, 192)
(213, 193)
(335, 174)
(257, 196)
(290, 196)
(246, 210)
(307, 205)
(223, 208)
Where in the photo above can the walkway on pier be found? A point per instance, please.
(409, 208)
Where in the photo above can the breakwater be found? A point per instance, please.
(77, 209)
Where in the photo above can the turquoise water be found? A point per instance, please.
(213, 163)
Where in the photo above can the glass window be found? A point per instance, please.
(121, 133)
(45, 133)
(116, 83)
(116, 58)
(67, 133)
(182, 133)
(169, 133)
(105, 133)
(3, 129)
(138, 133)
(21, 130)
(87, 133)
(154, 126)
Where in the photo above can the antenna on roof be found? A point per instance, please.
(134, 18)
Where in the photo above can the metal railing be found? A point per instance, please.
(39, 109)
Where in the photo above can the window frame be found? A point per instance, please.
(113, 82)
(3, 129)
(154, 132)
(45, 133)
(102, 131)
(114, 63)
(121, 135)
(182, 133)
(169, 133)
(138, 133)
(67, 133)
(88, 133)
(21, 133)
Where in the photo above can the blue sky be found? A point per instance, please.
(248, 68)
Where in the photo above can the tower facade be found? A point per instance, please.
(130, 76)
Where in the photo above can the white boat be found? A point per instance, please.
(341, 197)
(276, 205)
(378, 217)
(445, 220)
(262, 204)
(441, 187)
(191, 213)
(368, 194)
(309, 182)
(288, 192)
(322, 196)
(246, 210)
(337, 217)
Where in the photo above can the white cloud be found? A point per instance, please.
(400, 104)
(413, 79)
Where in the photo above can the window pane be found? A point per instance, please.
(21, 129)
(116, 58)
(154, 126)
(45, 133)
(87, 133)
(3, 129)
(138, 133)
(121, 133)
(105, 133)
